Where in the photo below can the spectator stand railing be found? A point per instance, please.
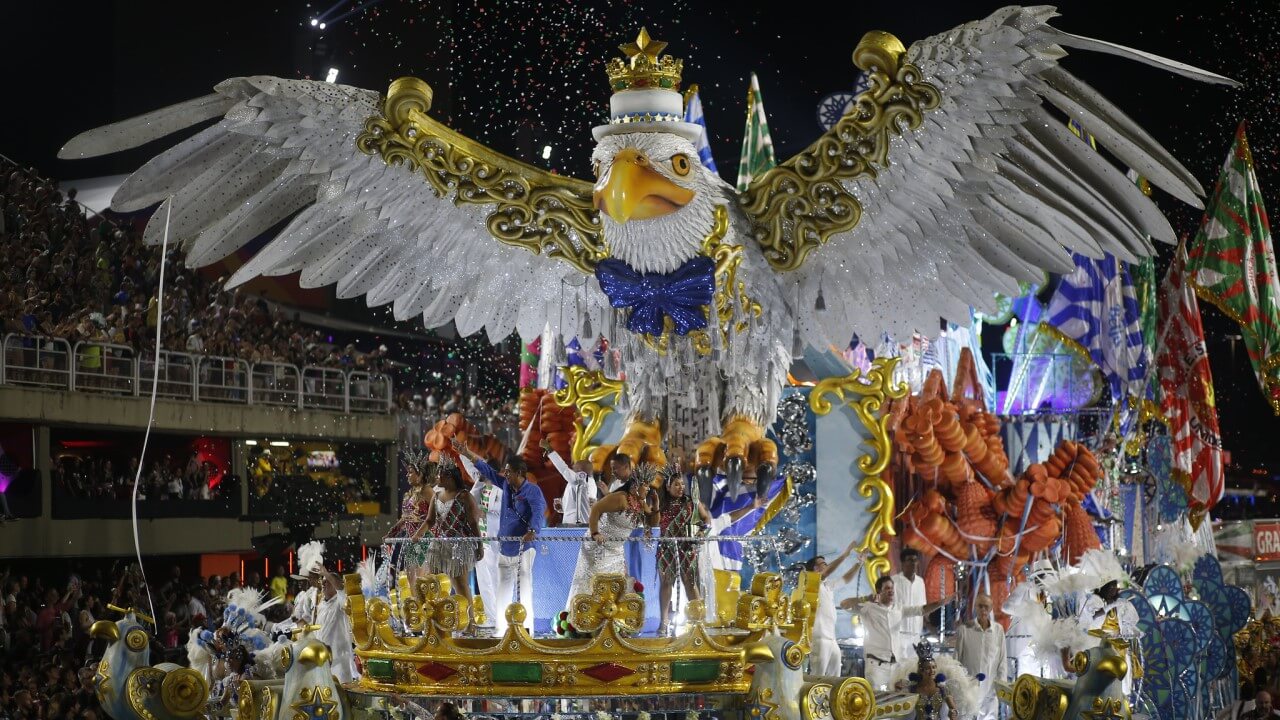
(222, 379)
(324, 389)
(104, 367)
(368, 392)
(174, 379)
(37, 360)
(49, 362)
(276, 383)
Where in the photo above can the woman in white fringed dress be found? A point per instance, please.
(613, 518)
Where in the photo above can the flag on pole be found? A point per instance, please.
(1095, 309)
(1231, 263)
(693, 114)
(1187, 401)
(757, 145)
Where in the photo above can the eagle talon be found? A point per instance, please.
(733, 468)
(765, 472)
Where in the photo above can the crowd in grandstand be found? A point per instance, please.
(65, 275)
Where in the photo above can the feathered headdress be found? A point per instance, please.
(1104, 566)
(244, 609)
(961, 688)
(310, 559)
(198, 655)
(368, 572)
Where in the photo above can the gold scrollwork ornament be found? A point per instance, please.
(867, 395)
(535, 210)
(798, 205)
(585, 390)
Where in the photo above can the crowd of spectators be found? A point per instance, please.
(65, 275)
(164, 479)
(47, 657)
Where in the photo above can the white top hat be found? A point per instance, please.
(646, 92)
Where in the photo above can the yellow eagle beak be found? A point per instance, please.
(633, 190)
(104, 630)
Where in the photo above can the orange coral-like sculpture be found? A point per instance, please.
(972, 503)
(554, 428)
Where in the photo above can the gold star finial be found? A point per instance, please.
(644, 45)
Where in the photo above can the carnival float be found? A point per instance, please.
(943, 181)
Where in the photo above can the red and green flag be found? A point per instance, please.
(1232, 264)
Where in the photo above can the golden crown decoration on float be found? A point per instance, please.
(425, 658)
(643, 68)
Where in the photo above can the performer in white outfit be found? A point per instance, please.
(824, 659)
(324, 604)
(488, 498)
(908, 588)
(613, 518)
(335, 628)
(980, 648)
(882, 618)
(580, 491)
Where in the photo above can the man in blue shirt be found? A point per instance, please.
(523, 514)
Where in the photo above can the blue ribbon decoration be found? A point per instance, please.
(681, 294)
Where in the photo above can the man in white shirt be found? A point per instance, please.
(579, 489)
(335, 627)
(824, 658)
(908, 588)
(980, 649)
(489, 500)
(882, 618)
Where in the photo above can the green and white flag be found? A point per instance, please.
(1231, 263)
(757, 146)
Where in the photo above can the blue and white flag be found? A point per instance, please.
(693, 114)
(1096, 308)
(728, 554)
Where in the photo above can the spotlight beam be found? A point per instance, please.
(357, 9)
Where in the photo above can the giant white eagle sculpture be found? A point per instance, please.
(950, 179)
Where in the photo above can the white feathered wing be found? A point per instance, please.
(993, 187)
(284, 146)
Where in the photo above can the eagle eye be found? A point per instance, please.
(680, 163)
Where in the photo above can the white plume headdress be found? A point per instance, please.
(244, 609)
(310, 559)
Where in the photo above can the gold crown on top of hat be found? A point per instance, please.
(643, 68)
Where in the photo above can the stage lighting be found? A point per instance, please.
(279, 443)
(332, 76)
(321, 26)
(546, 152)
(250, 442)
(314, 22)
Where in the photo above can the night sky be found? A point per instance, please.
(522, 75)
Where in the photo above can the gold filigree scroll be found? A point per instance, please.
(730, 291)
(535, 210)
(585, 391)
(798, 205)
(867, 396)
(610, 603)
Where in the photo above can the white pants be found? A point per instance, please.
(824, 659)
(509, 566)
(988, 705)
(487, 579)
(880, 675)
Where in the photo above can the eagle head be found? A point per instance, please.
(655, 198)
